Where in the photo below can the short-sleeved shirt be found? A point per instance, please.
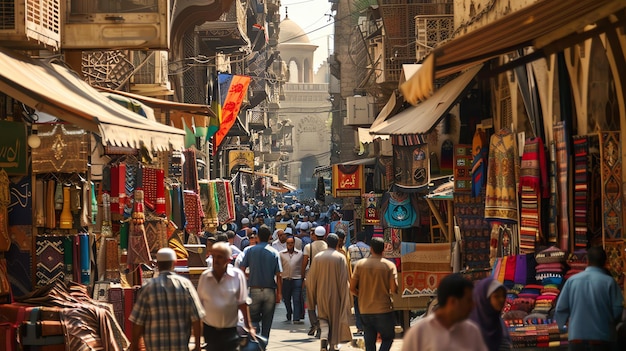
(373, 275)
(263, 261)
(358, 251)
(221, 299)
(314, 248)
(166, 307)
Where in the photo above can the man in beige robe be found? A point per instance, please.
(328, 290)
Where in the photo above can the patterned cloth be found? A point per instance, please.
(552, 208)
(479, 162)
(501, 198)
(193, 212)
(581, 188)
(563, 187)
(49, 253)
(474, 230)
(610, 151)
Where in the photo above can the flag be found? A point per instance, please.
(216, 106)
(233, 89)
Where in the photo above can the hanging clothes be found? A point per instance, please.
(479, 161)
(533, 187)
(501, 197)
(399, 211)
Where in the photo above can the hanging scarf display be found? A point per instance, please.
(500, 197)
(479, 161)
(193, 212)
(533, 187)
(190, 171)
(208, 205)
(581, 153)
(223, 214)
(562, 170)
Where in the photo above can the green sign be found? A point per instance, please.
(13, 147)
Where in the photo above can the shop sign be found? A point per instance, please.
(13, 147)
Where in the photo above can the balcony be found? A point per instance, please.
(30, 24)
(228, 33)
(432, 30)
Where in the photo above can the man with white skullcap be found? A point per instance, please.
(167, 310)
(310, 250)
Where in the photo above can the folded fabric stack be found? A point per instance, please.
(547, 300)
(511, 296)
(550, 266)
(577, 262)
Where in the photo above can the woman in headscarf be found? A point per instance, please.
(489, 299)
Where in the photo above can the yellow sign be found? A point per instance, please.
(240, 159)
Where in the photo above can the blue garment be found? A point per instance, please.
(592, 301)
(292, 291)
(264, 263)
(380, 323)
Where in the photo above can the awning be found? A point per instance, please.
(548, 26)
(57, 90)
(389, 110)
(422, 118)
(366, 138)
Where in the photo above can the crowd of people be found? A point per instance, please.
(314, 273)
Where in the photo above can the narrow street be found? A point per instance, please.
(288, 336)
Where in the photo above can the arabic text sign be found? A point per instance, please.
(348, 180)
(13, 147)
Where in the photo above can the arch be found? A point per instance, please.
(602, 104)
(294, 71)
(307, 71)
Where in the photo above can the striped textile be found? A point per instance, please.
(563, 187)
(581, 152)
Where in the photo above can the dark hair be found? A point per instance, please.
(453, 285)
(378, 245)
(341, 233)
(332, 240)
(221, 237)
(264, 233)
(230, 234)
(596, 256)
(360, 236)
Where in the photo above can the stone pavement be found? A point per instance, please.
(286, 336)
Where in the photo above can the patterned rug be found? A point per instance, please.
(49, 253)
(581, 152)
(562, 171)
(474, 228)
(501, 193)
(423, 267)
(611, 168)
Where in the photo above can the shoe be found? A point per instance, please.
(288, 318)
(312, 330)
(318, 333)
(324, 343)
(298, 322)
(358, 333)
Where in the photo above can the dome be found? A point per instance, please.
(291, 33)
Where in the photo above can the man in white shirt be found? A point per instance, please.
(223, 293)
(448, 327)
(280, 243)
(291, 259)
(310, 250)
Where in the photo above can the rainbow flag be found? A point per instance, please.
(232, 90)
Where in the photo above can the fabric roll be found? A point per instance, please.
(94, 204)
(160, 193)
(85, 260)
(112, 259)
(68, 257)
(76, 255)
(124, 228)
(58, 197)
(40, 196)
(50, 212)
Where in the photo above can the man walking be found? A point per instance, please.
(592, 302)
(356, 252)
(223, 292)
(167, 310)
(310, 250)
(291, 259)
(373, 281)
(327, 289)
(448, 327)
(265, 280)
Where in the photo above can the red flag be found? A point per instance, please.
(230, 109)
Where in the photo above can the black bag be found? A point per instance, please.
(247, 343)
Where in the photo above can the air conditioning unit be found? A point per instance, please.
(360, 111)
(30, 24)
(131, 24)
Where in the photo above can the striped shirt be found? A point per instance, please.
(166, 307)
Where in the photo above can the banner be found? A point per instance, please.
(348, 181)
(371, 209)
(13, 147)
(411, 165)
(233, 89)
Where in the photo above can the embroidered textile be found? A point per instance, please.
(616, 259)
(501, 198)
(399, 211)
(371, 212)
(112, 266)
(611, 168)
(49, 257)
(423, 267)
(475, 230)
(562, 171)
